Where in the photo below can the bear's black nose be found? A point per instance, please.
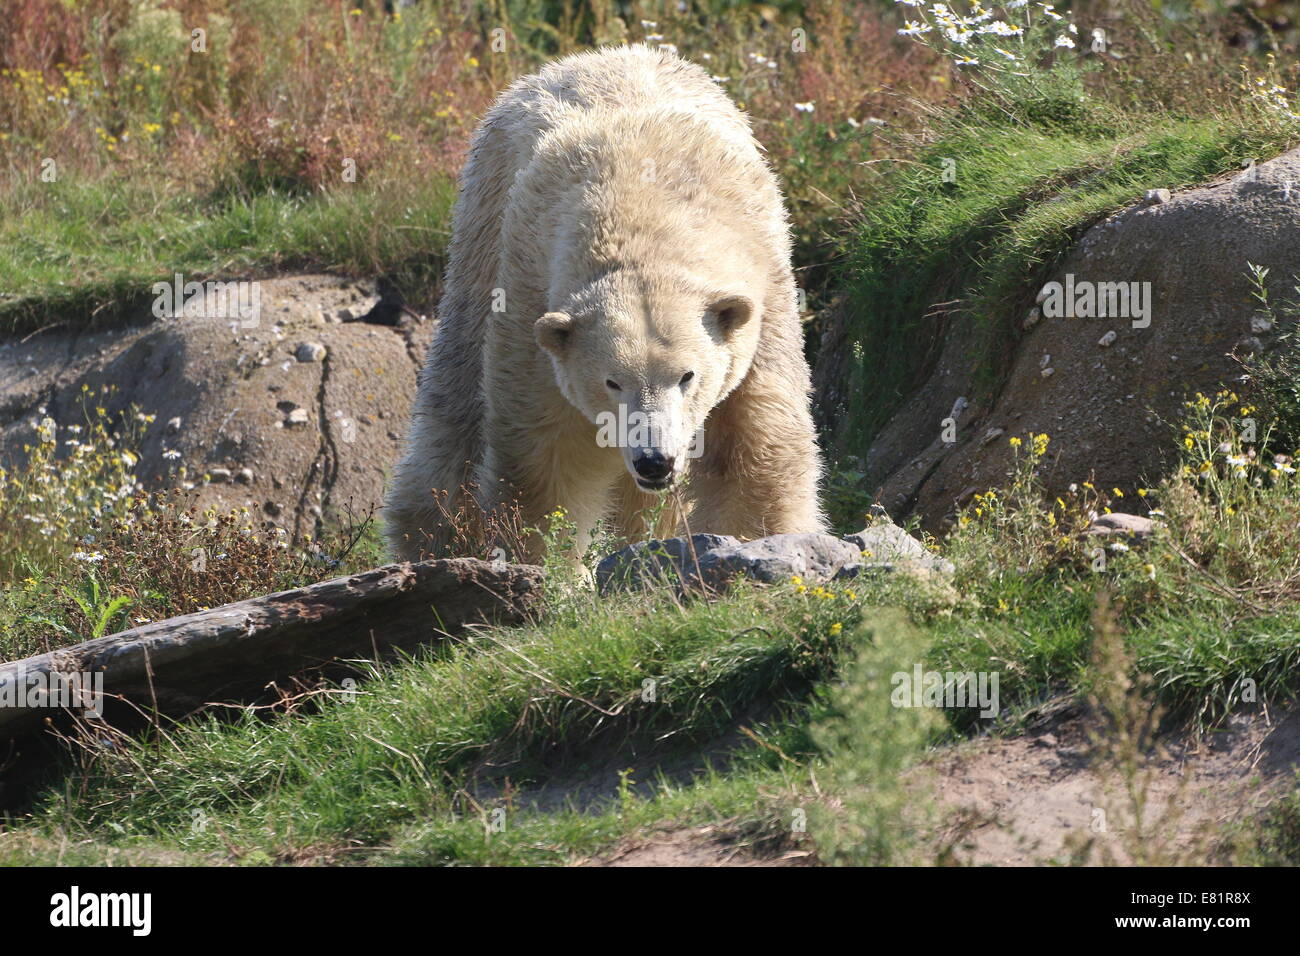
(653, 466)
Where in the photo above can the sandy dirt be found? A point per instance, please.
(1034, 799)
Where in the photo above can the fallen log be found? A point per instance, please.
(234, 652)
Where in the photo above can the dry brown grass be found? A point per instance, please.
(286, 93)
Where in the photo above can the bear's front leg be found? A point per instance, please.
(550, 469)
(760, 466)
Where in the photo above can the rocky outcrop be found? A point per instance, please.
(290, 414)
(1103, 389)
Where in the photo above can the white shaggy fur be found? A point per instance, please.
(617, 225)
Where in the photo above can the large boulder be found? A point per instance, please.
(290, 415)
(1102, 389)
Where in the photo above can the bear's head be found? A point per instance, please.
(647, 362)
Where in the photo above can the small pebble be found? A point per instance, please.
(309, 352)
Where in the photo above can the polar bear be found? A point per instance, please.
(619, 318)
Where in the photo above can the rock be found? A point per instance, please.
(711, 562)
(1193, 250)
(298, 416)
(218, 476)
(884, 545)
(184, 371)
(244, 476)
(309, 352)
(1154, 197)
(359, 312)
(1123, 525)
(814, 557)
(1107, 340)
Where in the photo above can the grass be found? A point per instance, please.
(1209, 604)
(528, 704)
(97, 248)
(126, 157)
(1274, 841)
(89, 550)
(765, 714)
(739, 804)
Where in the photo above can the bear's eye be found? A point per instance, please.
(686, 379)
(610, 383)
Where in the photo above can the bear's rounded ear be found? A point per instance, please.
(552, 331)
(731, 312)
